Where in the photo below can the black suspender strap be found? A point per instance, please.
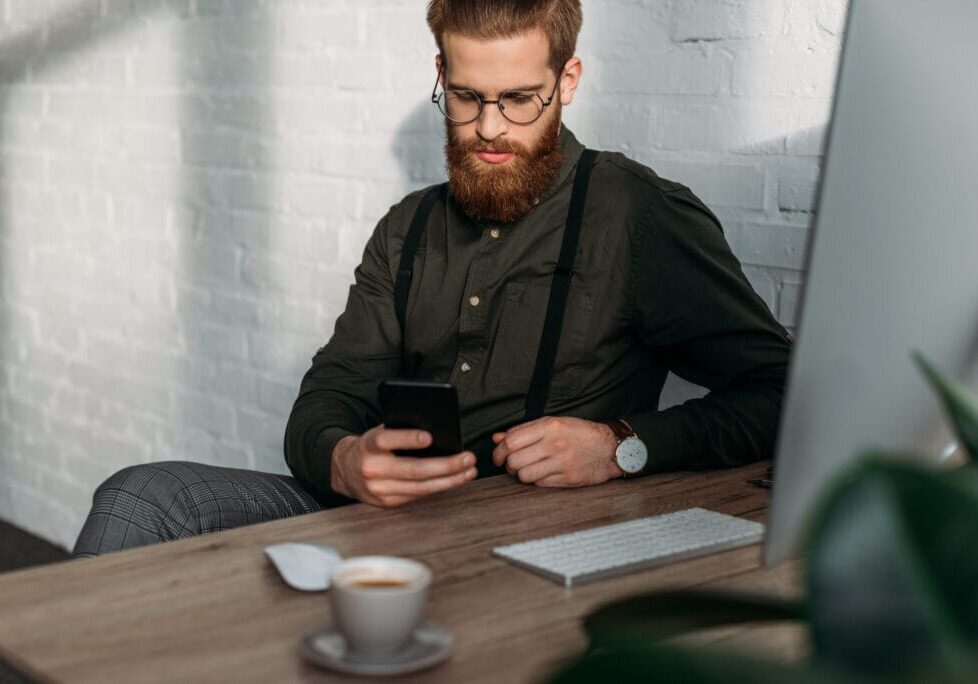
(543, 372)
(405, 269)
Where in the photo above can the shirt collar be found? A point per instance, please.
(571, 150)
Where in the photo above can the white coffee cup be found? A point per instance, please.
(378, 601)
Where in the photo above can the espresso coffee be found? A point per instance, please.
(379, 583)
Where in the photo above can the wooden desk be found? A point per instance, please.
(213, 608)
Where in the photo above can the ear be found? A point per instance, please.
(439, 62)
(570, 79)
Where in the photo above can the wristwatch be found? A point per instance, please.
(631, 455)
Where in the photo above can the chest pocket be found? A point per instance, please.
(516, 341)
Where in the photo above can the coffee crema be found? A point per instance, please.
(378, 583)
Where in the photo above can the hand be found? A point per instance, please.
(365, 468)
(558, 452)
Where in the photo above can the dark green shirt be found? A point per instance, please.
(655, 288)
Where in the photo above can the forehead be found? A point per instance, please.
(497, 63)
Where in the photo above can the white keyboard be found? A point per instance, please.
(601, 552)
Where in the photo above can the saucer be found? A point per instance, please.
(324, 646)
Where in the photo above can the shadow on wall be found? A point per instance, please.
(26, 53)
(419, 147)
(223, 236)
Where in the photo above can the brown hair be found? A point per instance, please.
(560, 20)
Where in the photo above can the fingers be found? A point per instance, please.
(556, 480)
(525, 457)
(517, 438)
(411, 489)
(540, 470)
(388, 440)
(383, 466)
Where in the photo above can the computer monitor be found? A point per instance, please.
(893, 257)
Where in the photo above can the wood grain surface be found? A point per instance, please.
(214, 609)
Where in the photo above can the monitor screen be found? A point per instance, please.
(893, 257)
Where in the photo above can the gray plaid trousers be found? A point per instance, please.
(146, 504)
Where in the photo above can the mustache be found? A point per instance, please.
(498, 147)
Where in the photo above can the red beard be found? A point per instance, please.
(501, 193)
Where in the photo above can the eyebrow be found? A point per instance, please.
(458, 86)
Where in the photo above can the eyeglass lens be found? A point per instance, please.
(463, 106)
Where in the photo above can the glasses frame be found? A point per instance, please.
(436, 97)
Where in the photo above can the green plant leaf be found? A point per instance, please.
(658, 616)
(633, 663)
(959, 403)
(892, 570)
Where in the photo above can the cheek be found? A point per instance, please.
(464, 134)
(526, 139)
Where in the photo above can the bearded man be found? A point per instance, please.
(646, 285)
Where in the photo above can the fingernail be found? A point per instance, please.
(469, 460)
(423, 437)
(472, 473)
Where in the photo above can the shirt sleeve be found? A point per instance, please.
(338, 394)
(695, 310)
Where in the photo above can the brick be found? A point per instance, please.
(681, 71)
(621, 123)
(260, 430)
(215, 342)
(764, 283)
(22, 101)
(788, 303)
(774, 245)
(286, 351)
(616, 25)
(718, 185)
(213, 415)
(792, 74)
(237, 381)
(831, 16)
(797, 195)
(717, 20)
(276, 397)
(758, 129)
(319, 31)
(270, 460)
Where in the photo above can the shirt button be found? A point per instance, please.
(494, 233)
(465, 367)
(474, 301)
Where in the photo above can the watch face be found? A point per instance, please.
(632, 455)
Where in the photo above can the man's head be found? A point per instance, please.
(499, 167)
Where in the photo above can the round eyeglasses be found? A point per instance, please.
(464, 106)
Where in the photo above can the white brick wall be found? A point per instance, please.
(186, 186)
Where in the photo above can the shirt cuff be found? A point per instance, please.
(665, 439)
(319, 470)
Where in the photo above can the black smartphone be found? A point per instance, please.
(423, 405)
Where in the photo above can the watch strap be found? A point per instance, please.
(621, 429)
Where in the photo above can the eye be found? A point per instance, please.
(519, 98)
(465, 95)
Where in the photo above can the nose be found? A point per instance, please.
(491, 123)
